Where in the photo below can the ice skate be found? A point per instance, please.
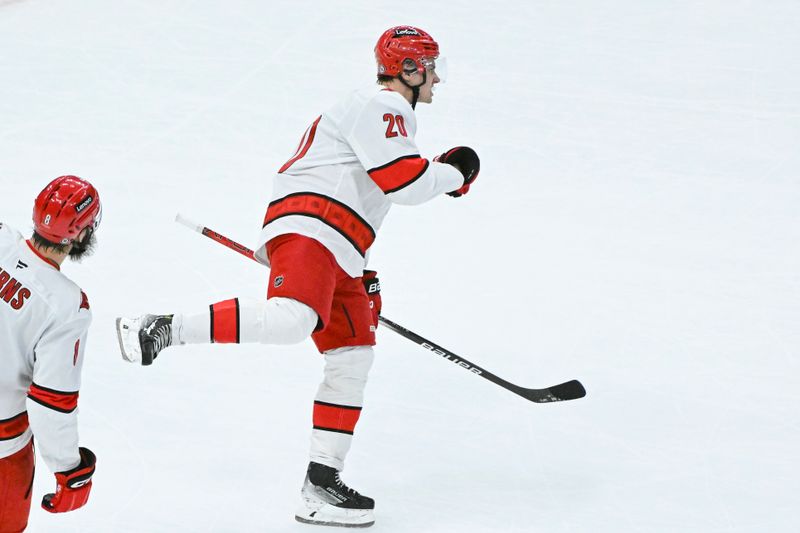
(327, 501)
(141, 339)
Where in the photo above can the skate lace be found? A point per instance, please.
(340, 484)
(161, 335)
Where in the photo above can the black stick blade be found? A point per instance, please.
(571, 390)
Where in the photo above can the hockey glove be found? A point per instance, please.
(466, 161)
(72, 486)
(373, 287)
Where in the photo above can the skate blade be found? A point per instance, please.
(128, 337)
(328, 515)
(334, 524)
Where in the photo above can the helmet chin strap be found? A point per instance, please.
(415, 88)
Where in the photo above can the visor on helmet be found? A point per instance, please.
(437, 65)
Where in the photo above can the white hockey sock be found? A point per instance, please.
(337, 405)
(275, 321)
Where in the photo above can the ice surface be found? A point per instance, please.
(635, 225)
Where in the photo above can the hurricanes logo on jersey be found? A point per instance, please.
(278, 281)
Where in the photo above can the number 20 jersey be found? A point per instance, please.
(352, 164)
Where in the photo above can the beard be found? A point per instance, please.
(84, 248)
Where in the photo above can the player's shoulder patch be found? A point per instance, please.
(84, 301)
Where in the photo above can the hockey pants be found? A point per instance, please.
(16, 482)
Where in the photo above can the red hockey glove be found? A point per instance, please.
(466, 161)
(72, 486)
(373, 287)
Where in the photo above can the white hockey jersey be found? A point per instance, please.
(353, 162)
(44, 319)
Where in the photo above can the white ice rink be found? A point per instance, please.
(636, 225)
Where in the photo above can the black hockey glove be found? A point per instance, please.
(466, 160)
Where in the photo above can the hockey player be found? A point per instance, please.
(44, 318)
(329, 200)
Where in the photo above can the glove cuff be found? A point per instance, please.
(72, 486)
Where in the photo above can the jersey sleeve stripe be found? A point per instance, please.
(13, 427)
(336, 418)
(399, 173)
(305, 144)
(64, 402)
(335, 214)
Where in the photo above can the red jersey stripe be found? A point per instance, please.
(64, 402)
(332, 417)
(308, 137)
(333, 213)
(13, 427)
(399, 173)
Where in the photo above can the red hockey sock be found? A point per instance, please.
(225, 321)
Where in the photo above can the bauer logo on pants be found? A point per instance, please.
(278, 281)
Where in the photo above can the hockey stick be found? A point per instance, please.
(570, 390)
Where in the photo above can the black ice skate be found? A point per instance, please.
(327, 501)
(141, 339)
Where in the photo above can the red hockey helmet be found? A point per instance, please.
(66, 207)
(402, 43)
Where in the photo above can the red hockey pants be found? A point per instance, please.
(16, 483)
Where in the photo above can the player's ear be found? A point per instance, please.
(83, 234)
(410, 77)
